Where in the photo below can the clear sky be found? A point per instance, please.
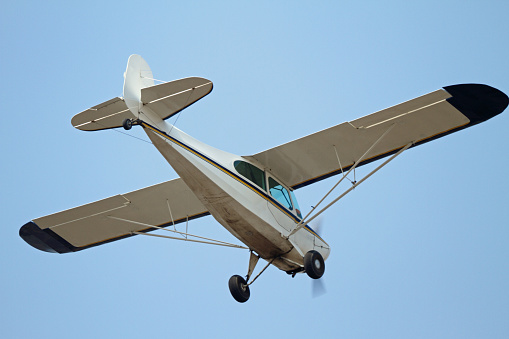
(419, 251)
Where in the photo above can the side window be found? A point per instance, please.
(251, 172)
(280, 193)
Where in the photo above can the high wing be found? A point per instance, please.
(320, 155)
(99, 222)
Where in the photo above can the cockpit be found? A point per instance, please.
(283, 195)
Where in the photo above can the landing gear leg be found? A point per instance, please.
(239, 288)
(253, 260)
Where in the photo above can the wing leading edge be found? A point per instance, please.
(329, 152)
(98, 222)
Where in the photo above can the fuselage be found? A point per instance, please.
(252, 204)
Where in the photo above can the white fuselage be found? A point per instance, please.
(246, 210)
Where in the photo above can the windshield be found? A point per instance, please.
(280, 193)
(296, 204)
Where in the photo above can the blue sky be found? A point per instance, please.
(420, 250)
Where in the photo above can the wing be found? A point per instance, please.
(166, 99)
(93, 224)
(326, 153)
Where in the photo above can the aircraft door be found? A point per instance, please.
(280, 206)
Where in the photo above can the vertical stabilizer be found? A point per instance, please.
(136, 77)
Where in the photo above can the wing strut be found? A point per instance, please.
(303, 222)
(204, 241)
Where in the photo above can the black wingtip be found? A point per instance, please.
(477, 102)
(44, 241)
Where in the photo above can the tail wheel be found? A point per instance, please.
(127, 124)
(239, 288)
(314, 264)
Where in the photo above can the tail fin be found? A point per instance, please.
(136, 77)
(142, 97)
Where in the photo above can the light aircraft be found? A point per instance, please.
(251, 196)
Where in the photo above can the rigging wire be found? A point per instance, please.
(133, 136)
(178, 114)
(118, 131)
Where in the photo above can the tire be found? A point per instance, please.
(127, 124)
(239, 288)
(314, 264)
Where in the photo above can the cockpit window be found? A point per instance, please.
(280, 193)
(250, 172)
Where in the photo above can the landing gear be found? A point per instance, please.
(314, 264)
(127, 124)
(239, 288)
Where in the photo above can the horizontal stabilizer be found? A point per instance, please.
(165, 100)
(109, 114)
(171, 97)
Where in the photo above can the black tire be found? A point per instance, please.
(127, 124)
(314, 264)
(239, 288)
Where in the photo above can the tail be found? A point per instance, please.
(137, 76)
(141, 98)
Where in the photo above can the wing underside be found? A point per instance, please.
(331, 151)
(114, 218)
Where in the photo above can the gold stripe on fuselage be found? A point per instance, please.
(232, 175)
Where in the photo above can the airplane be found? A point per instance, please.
(250, 196)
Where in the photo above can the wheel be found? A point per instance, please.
(127, 124)
(239, 288)
(314, 264)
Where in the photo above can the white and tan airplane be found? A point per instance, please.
(251, 196)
